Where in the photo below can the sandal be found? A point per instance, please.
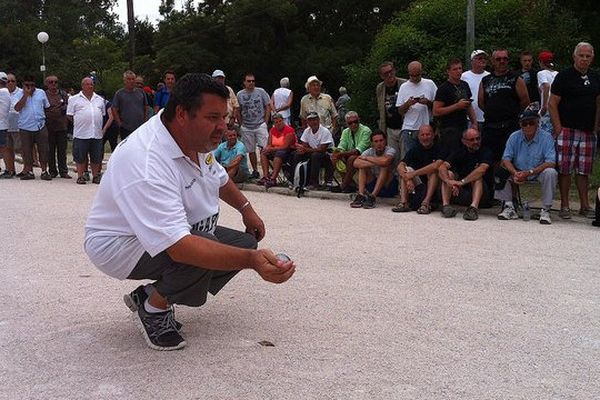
(424, 209)
(81, 180)
(401, 208)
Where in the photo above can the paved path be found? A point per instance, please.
(383, 306)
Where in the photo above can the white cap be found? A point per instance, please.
(3, 77)
(476, 53)
(218, 73)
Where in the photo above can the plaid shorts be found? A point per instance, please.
(575, 151)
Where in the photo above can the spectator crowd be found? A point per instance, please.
(473, 140)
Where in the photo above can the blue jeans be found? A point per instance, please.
(409, 141)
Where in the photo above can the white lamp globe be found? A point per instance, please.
(42, 37)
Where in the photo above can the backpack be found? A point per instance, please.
(300, 177)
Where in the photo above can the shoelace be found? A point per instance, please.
(165, 323)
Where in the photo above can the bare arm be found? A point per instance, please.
(109, 121)
(440, 109)
(554, 117)
(481, 97)
(521, 89)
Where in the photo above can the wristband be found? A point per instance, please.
(246, 204)
(530, 172)
(462, 181)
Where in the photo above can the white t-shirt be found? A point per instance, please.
(150, 197)
(545, 76)
(4, 108)
(417, 114)
(13, 117)
(87, 115)
(314, 140)
(280, 98)
(474, 80)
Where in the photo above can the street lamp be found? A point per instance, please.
(43, 37)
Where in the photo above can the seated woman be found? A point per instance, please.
(282, 140)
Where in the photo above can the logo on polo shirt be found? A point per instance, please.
(191, 183)
(209, 159)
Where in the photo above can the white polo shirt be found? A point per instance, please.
(150, 197)
(314, 140)
(87, 115)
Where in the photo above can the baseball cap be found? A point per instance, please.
(312, 114)
(546, 57)
(3, 77)
(218, 73)
(530, 112)
(277, 116)
(476, 53)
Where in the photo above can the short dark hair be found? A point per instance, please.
(453, 61)
(188, 93)
(28, 78)
(378, 132)
(526, 53)
(169, 71)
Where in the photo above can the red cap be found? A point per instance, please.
(546, 57)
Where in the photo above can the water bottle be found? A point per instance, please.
(526, 211)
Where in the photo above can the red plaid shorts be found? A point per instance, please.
(575, 151)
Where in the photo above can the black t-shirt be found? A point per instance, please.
(449, 93)
(393, 119)
(419, 157)
(501, 99)
(530, 78)
(578, 93)
(463, 162)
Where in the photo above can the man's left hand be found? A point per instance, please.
(254, 225)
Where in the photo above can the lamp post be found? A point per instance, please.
(43, 37)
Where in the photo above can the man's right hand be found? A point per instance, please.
(270, 268)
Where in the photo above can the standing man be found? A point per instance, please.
(415, 99)
(545, 77)
(172, 237)
(57, 123)
(529, 75)
(574, 109)
(386, 92)
(162, 96)
(233, 105)
(281, 100)
(502, 97)
(86, 109)
(452, 106)
(129, 106)
(4, 113)
(32, 127)
(321, 103)
(13, 139)
(473, 77)
(254, 108)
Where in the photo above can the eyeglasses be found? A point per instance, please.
(388, 72)
(250, 80)
(355, 121)
(52, 81)
(414, 75)
(501, 58)
(11, 80)
(475, 139)
(530, 122)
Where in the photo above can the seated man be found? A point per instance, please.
(232, 155)
(375, 172)
(529, 156)
(315, 141)
(356, 138)
(418, 173)
(279, 148)
(463, 176)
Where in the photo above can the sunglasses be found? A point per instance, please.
(501, 58)
(387, 73)
(475, 139)
(529, 122)
(250, 80)
(11, 80)
(52, 81)
(353, 122)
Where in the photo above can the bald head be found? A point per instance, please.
(414, 71)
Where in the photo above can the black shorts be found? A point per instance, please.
(84, 147)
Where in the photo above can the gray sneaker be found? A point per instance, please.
(448, 211)
(545, 217)
(159, 330)
(369, 201)
(136, 299)
(507, 214)
(471, 214)
(565, 213)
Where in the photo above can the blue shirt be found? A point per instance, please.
(527, 155)
(32, 117)
(225, 155)
(161, 98)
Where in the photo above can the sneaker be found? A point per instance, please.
(27, 176)
(358, 201)
(7, 175)
(135, 299)
(86, 176)
(448, 211)
(97, 179)
(81, 180)
(20, 174)
(565, 213)
(46, 176)
(254, 175)
(507, 214)
(471, 214)
(401, 208)
(588, 213)
(65, 175)
(261, 181)
(269, 183)
(159, 329)
(369, 201)
(545, 217)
